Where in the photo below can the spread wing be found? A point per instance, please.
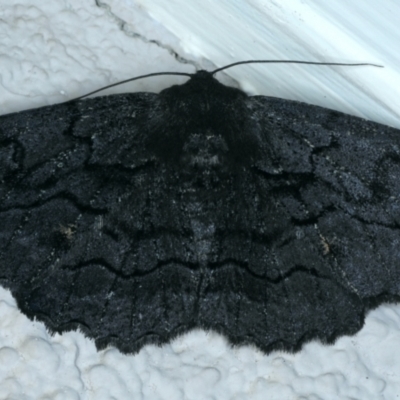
(332, 182)
(100, 232)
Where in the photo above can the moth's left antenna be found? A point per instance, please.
(130, 80)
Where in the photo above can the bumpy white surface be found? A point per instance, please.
(35, 365)
(51, 51)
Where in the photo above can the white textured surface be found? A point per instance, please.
(54, 51)
(34, 365)
(57, 50)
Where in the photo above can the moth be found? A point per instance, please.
(137, 217)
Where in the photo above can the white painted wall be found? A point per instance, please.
(226, 31)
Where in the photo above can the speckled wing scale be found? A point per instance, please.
(138, 217)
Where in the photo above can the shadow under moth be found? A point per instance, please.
(138, 217)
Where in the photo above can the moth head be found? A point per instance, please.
(204, 125)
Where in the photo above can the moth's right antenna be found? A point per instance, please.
(291, 62)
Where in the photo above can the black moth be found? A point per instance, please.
(140, 216)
